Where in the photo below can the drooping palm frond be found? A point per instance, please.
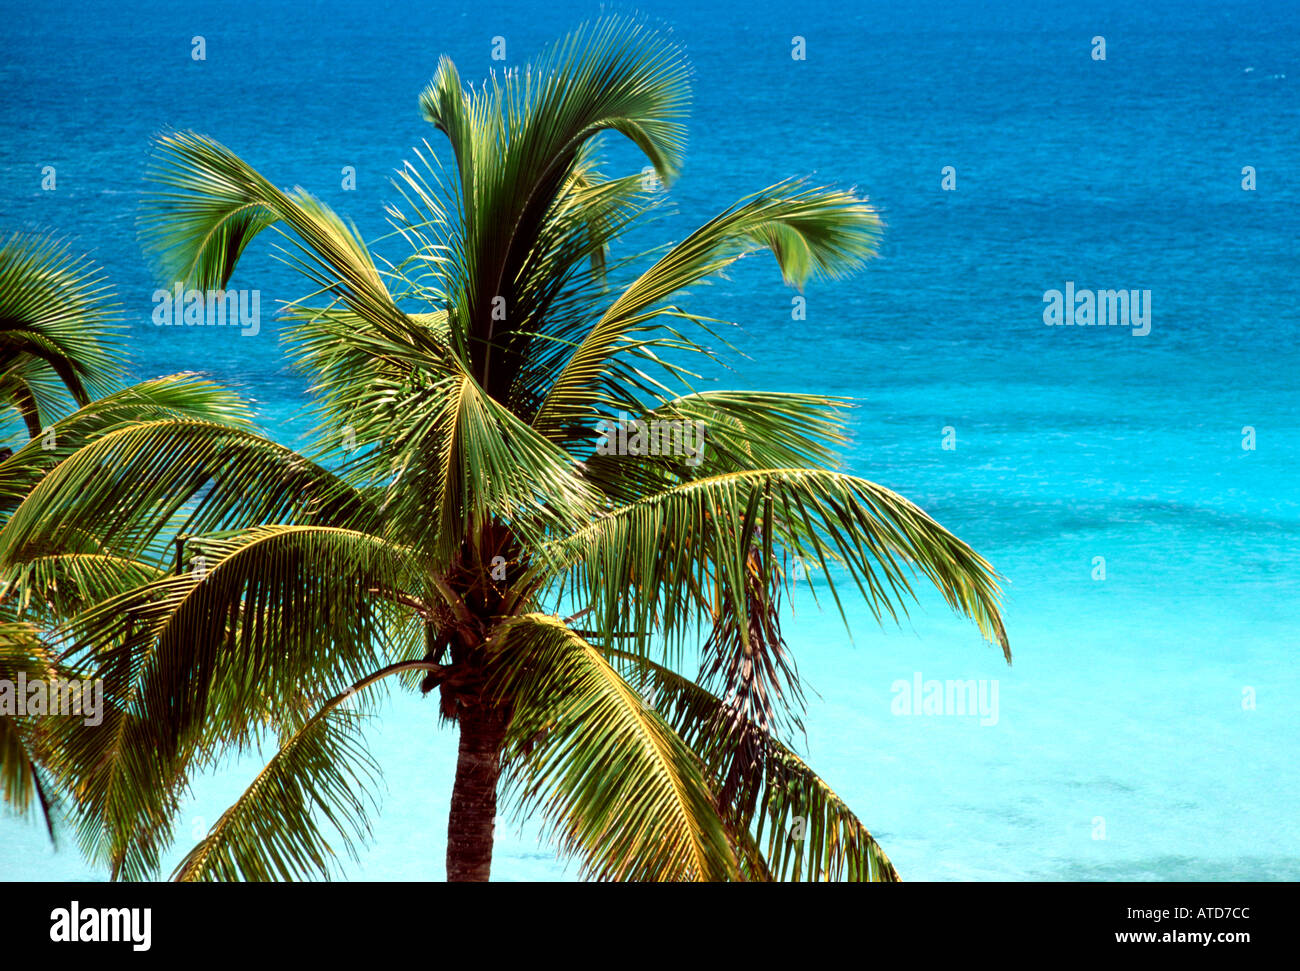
(617, 787)
(147, 481)
(55, 586)
(57, 320)
(24, 782)
(747, 662)
(122, 777)
(214, 203)
(651, 567)
(264, 612)
(809, 231)
(729, 431)
(272, 832)
(34, 390)
(179, 396)
(204, 661)
(804, 830)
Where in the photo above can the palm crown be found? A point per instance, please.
(456, 506)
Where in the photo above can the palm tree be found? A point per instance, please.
(456, 507)
(57, 321)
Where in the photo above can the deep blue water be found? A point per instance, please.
(1125, 701)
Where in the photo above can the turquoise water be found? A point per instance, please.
(1124, 709)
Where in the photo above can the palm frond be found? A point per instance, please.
(24, 783)
(665, 562)
(272, 831)
(810, 232)
(810, 833)
(730, 431)
(177, 396)
(264, 612)
(210, 205)
(57, 310)
(616, 785)
(131, 484)
(516, 144)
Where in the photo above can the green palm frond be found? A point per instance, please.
(273, 832)
(178, 396)
(734, 431)
(809, 231)
(475, 460)
(663, 563)
(617, 786)
(128, 485)
(57, 316)
(55, 586)
(261, 614)
(196, 663)
(24, 782)
(122, 776)
(34, 390)
(810, 833)
(516, 144)
(212, 205)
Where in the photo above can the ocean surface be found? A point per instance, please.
(1148, 727)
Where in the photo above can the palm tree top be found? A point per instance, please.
(457, 504)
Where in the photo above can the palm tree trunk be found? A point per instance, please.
(474, 796)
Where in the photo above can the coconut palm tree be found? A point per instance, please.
(57, 321)
(603, 630)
